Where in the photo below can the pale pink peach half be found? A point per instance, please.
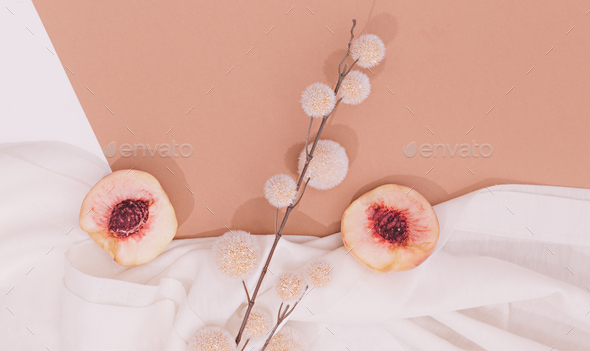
(390, 228)
(128, 214)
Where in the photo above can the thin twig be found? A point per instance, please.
(281, 317)
(354, 63)
(280, 308)
(246, 343)
(292, 308)
(348, 47)
(307, 137)
(246, 289)
(258, 284)
(272, 332)
(342, 74)
(280, 231)
(278, 235)
(315, 142)
(302, 191)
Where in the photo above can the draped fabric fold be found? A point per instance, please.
(511, 271)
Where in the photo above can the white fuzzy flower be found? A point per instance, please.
(287, 339)
(280, 190)
(368, 49)
(290, 286)
(258, 323)
(236, 253)
(355, 88)
(318, 273)
(212, 339)
(328, 167)
(318, 99)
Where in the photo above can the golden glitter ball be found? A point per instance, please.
(287, 339)
(318, 273)
(290, 286)
(328, 167)
(212, 339)
(236, 253)
(355, 88)
(368, 49)
(317, 100)
(258, 323)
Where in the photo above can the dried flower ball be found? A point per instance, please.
(258, 323)
(290, 286)
(318, 273)
(328, 167)
(355, 88)
(317, 100)
(287, 339)
(212, 339)
(280, 190)
(368, 49)
(236, 253)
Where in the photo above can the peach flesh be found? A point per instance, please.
(395, 227)
(390, 228)
(128, 217)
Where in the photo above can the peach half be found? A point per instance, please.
(391, 228)
(128, 214)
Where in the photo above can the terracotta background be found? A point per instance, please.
(448, 62)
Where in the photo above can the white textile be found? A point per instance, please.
(511, 272)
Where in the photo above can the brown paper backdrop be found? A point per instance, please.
(448, 63)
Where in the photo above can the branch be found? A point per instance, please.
(281, 317)
(315, 142)
(309, 157)
(276, 216)
(302, 191)
(280, 231)
(245, 288)
(279, 314)
(246, 343)
(348, 47)
(342, 74)
(284, 313)
(350, 69)
(307, 138)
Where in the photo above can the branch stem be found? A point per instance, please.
(307, 137)
(302, 192)
(342, 74)
(246, 343)
(281, 317)
(278, 233)
(246, 289)
(280, 309)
